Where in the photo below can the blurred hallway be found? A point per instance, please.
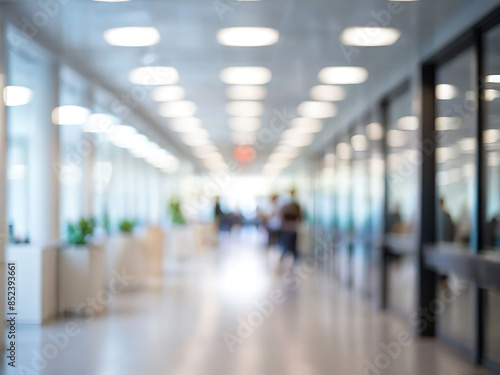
(318, 328)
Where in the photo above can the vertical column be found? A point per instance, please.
(3, 174)
(427, 279)
(44, 162)
(88, 165)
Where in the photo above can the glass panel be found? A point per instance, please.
(344, 193)
(456, 149)
(22, 98)
(71, 117)
(402, 165)
(455, 170)
(491, 139)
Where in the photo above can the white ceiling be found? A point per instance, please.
(309, 40)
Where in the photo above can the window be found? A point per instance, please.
(456, 152)
(75, 146)
(402, 165)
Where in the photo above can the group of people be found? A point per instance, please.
(282, 224)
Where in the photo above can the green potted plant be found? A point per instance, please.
(81, 268)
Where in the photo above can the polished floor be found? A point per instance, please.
(235, 310)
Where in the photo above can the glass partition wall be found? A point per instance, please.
(456, 155)
(491, 170)
(402, 179)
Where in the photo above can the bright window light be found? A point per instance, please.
(183, 108)
(246, 75)
(246, 92)
(185, 124)
(70, 115)
(244, 109)
(317, 109)
(306, 125)
(343, 75)
(248, 36)
(244, 124)
(132, 36)
(375, 131)
(327, 93)
(493, 78)
(168, 94)
(154, 76)
(16, 172)
(16, 95)
(369, 36)
(359, 143)
(408, 123)
(445, 91)
(100, 123)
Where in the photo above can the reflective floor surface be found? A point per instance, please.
(235, 310)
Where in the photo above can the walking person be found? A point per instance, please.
(291, 216)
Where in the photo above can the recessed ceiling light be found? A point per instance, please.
(306, 125)
(327, 93)
(246, 92)
(100, 123)
(375, 131)
(122, 136)
(490, 95)
(343, 150)
(445, 91)
(444, 123)
(359, 142)
(300, 140)
(491, 136)
(185, 124)
(70, 115)
(317, 109)
(246, 75)
(183, 108)
(16, 95)
(132, 36)
(245, 138)
(493, 78)
(248, 36)
(168, 93)
(369, 36)
(397, 138)
(244, 124)
(343, 75)
(245, 109)
(154, 76)
(408, 123)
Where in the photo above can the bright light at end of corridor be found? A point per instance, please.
(369, 36)
(132, 36)
(248, 36)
